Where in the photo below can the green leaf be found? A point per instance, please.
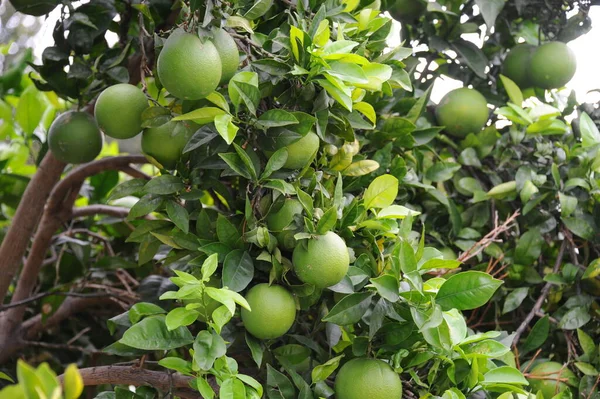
(201, 116)
(590, 135)
(529, 247)
(381, 192)
(239, 22)
(537, 336)
(180, 317)
(244, 92)
(580, 227)
(513, 91)
(568, 204)
(250, 381)
(350, 309)
(338, 94)
(238, 270)
(514, 299)
(347, 72)
(202, 136)
(236, 164)
(147, 204)
(361, 168)
(575, 318)
(503, 190)
(586, 342)
(247, 161)
(276, 118)
(127, 188)
(152, 334)
(4, 376)
(207, 348)
(504, 375)
(467, 290)
(226, 128)
(204, 388)
(232, 388)
(442, 171)
(327, 221)
(164, 185)
(177, 364)
(219, 100)
(30, 110)
(275, 162)
(490, 10)
(417, 109)
(387, 287)
(178, 215)
(255, 349)
(396, 212)
(227, 233)
(142, 309)
(258, 9)
(228, 298)
(471, 55)
(487, 348)
(284, 388)
(323, 371)
(73, 383)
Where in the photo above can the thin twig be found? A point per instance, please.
(489, 238)
(68, 347)
(57, 293)
(540, 301)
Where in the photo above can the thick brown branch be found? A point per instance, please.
(123, 375)
(543, 295)
(26, 219)
(108, 210)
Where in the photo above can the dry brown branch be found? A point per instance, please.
(489, 238)
(26, 219)
(543, 295)
(123, 375)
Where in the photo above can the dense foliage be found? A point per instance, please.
(472, 260)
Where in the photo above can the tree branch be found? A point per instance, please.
(543, 295)
(26, 218)
(58, 293)
(123, 375)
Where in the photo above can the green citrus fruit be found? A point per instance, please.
(35, 7)
(166, 142)
(550, 379)
(209, 305)
(278, 220)
(301, 152)
(228, 52)
(552, 65)
(516, 65)
(273, 311)
(322, 261)
(407, 10)
(118, 111)
(188, 68)
(74, 137)
(367, 378)
(462, 111)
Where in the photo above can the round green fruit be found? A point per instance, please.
(322, 261)
(516, 65)
(36, 8)
(462, 111)
(278, 220)
(188, 68)
(550, 378)
(407, 10)
(166, 142)
(273, 311)
(301, 152)
(228, 53)
(118, 111)
(367, 378)
(74, 137)
(552, 65)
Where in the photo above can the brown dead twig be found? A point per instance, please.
(490, 237)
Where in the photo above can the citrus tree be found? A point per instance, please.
(297, 233)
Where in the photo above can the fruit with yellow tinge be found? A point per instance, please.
(118, 111)
(462, 111)
(273, 311)
(36, 8)
(228, 53)
(302, 152)
(367, 378)
(188, 68)
(550, 378)
(279, 219)
(552, 65)
(166, 142)
(516, 65)
(74, 137)
(406, 10)
(322, 261)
